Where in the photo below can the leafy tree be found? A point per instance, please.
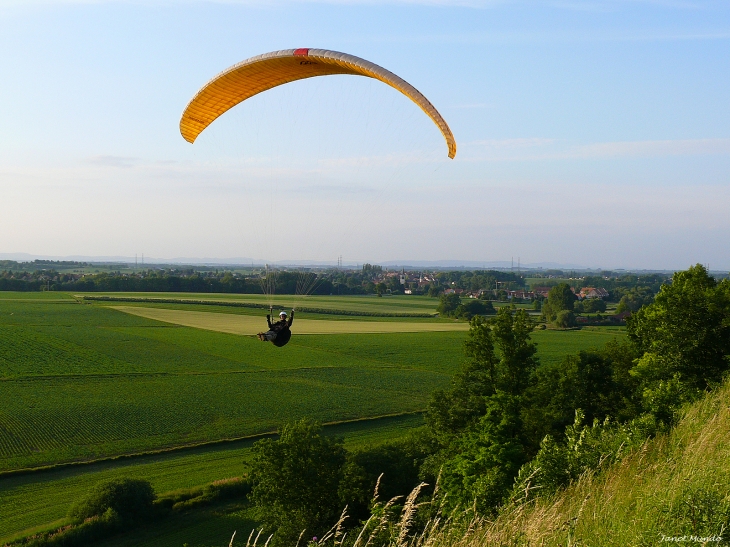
(130, 499)
(487, 458)
(517, 351)
(595, 381)
(633, 299)
(561, 297)
(451, 411)
(296, 480)
(448, 304)
(685, 333)
(434, 290)
(478, 421)
(593, 305)
(565, 319)
(484, 372)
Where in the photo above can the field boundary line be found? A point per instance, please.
(186, 447)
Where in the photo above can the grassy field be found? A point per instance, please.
(81, 382)
(76, 379)
(43, 498)
(249, 325)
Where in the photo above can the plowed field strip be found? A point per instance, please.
(249, 325)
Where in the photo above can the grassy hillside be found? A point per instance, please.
(676, 486)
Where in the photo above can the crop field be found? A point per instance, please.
(83, 382)
(247, 324)
(55, 419)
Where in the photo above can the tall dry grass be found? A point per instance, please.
(674, 489)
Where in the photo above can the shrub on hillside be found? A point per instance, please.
(394, 466)
(685, 333)
(586, 448)
(131, 499)
(89, 532)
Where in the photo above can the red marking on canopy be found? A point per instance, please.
(302, 51)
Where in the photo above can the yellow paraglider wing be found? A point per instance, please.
(263, 72)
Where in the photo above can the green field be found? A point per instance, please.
(34, 499)
(82, 382)
(249, 325)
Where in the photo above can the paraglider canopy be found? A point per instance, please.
(263, 72)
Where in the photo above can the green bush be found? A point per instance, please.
(448, 304)
(91, 531)
(394, 466)
(473, 307)
(565, 319)
(131, 499)
(586, 448)
(593, 305)
(235, 488)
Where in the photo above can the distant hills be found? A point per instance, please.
(246, 261)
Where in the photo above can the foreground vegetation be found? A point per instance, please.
(76, 381)
(670, 487)
(501, 449)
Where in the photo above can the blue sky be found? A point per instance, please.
(589, 132)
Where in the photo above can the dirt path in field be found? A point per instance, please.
(249, 325)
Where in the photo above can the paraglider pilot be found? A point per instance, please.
(278, 333)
